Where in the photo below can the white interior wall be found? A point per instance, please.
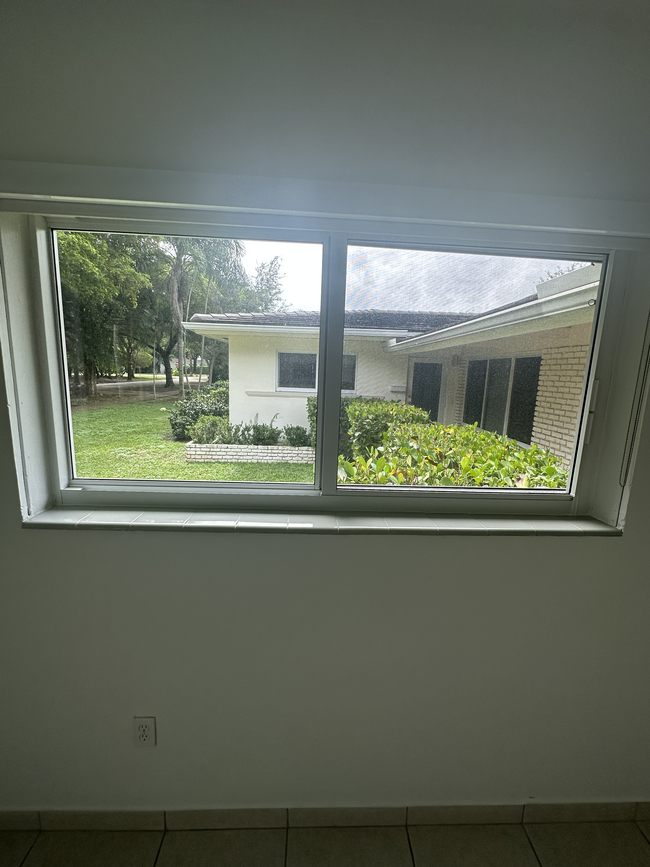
(325, 670)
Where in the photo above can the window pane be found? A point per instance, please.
(349, 375)
(296, 370)
(425, 391)
(525, 381)
(475, 392)
(463, 360)
(172, 339)
(496, 395)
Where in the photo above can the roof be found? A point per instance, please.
(413, 321)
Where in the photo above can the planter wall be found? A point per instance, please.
(249, 454)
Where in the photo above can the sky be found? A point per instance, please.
(392, 279)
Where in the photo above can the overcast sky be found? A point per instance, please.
(389, 279)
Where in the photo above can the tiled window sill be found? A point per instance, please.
(341, 524)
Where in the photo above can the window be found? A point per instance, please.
(401, 325)
(349, 373)
(297, 370)
(501, 395)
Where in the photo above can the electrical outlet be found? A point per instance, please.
(144, 728)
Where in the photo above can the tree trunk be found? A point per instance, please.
(165, 355)
(90, 379)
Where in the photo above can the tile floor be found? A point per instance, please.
(562, 844)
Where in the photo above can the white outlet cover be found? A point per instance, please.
(144, 731)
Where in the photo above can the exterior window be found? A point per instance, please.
(297, 370)
(349, 373)
(425, 393)
(501, 396)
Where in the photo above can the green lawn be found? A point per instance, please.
(133, 441)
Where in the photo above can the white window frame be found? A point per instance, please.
(32, 358)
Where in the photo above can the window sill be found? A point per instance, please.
(328, 524)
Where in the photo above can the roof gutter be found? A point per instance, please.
(542, 309)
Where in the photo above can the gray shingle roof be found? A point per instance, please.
(413, 321)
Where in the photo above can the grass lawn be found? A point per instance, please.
(133, 441)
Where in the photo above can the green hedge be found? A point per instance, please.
(370, 418)
(452, 455)
(363, 421)
(214, 429)
(187, 412)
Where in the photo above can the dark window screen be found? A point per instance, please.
(296, 370)
(349, 373)
(496, 398)
(525, 380)
(474, 392)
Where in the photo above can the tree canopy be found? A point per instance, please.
(125, 298)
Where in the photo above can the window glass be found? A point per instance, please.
(475, 392)
(349, 373)
(296, 370)
(523, 398)
(496, 395)
(473, 368)
(172, 348)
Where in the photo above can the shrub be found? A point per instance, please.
(453, 455)
(187, 412)
(312, 409)
(345, 444)
(295, 435)
(211, 429)
(369, 419)
(215, 429)
(265, 434)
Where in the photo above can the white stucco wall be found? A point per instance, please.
(253, 376)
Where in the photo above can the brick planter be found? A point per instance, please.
(229, 454)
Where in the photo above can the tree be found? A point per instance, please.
(99, 281)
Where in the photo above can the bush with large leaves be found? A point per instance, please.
(452, 455)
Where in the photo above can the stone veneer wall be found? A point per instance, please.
(561, 379)
(248, 454)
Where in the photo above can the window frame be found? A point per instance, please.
(283, 388)
(40, 417)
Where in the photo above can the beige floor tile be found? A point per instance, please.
(590, 844)
(95, 849)
(348, 847)
(471, 846)
(249, 848)
(14, 845)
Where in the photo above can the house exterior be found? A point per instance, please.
(518, 370)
